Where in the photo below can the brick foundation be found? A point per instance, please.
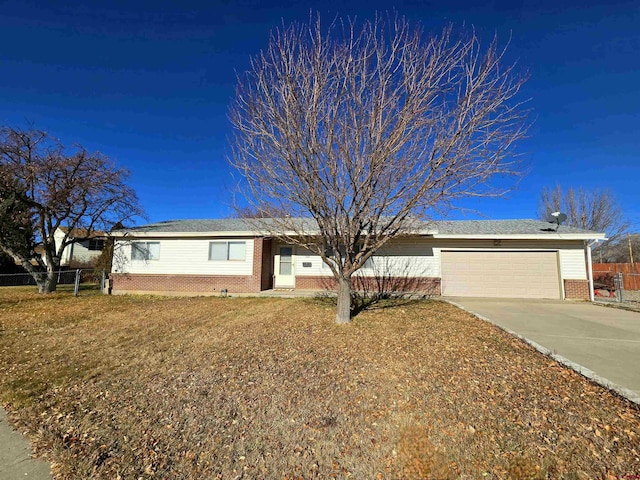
(576, 289)
(425, 285)
(199, 284)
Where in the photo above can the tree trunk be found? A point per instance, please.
(49, 283)
(46, 281)
(343, 314)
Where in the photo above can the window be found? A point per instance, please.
(145, 250)
(286, 261)
(96, 244)
(223, 251)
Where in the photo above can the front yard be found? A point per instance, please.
(130, 387)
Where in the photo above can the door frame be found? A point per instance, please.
(284, 281)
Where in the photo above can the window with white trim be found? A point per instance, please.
(145, 251)
(228, 251)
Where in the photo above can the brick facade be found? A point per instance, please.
(426, 285)
(576, 289)
(266, 280)
(182, 284)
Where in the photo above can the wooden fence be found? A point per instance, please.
(630, 273)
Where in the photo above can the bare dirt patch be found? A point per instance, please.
(130, 387)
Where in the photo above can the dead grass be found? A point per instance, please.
(130, 387)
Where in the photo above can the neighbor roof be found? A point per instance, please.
(440, 228)
(82, 232)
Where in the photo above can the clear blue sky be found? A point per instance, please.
(148, 83)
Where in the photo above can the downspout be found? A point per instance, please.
(590, 268)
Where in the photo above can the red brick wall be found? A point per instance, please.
(267, 264)
(315, 283)
(428, 285)
(576, 289)
(258, 243)
(205, 284)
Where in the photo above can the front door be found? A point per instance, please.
(285, 276)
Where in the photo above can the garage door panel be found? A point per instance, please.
(500, 274)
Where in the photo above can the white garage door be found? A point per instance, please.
(500, 274)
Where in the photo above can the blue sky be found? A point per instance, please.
(148, 83)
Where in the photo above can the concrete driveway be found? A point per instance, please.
(604, 340)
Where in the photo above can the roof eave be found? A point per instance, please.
(434, 234)
(222, 233)
(523, 236)
(229, 233)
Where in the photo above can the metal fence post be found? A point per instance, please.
(102, 281)
(620, 287)
(76, 286)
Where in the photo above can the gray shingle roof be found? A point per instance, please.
(213, 225)
(503, 227)
(446, 227)
(204, 225)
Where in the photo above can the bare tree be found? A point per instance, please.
(623, 249)
(263, 212)
(365, 129)
(595, 210)
(44, 188)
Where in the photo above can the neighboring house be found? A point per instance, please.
(483, 258)
(80, 253)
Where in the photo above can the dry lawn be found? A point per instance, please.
(150, 387)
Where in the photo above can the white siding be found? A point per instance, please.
(182, 256)
(58, 235)
(416, 256)
(78, 252)
(304, 256)
(573, 264)
(412, 257)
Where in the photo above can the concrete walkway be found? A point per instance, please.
(604, 340)
(16, 461)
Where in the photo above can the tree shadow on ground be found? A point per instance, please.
(367, 301)
(362, 302)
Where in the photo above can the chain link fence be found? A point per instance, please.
(618, 287)
(80, 280)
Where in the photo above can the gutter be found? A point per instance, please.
(523, 236)
(588, 246)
